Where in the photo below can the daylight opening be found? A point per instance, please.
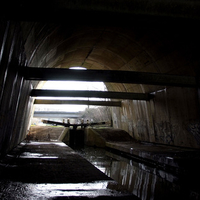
(82, 68)
(59, 112)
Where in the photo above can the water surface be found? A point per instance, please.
(146, 182)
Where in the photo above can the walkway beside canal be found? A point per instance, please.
(51, 170)
(176, 159)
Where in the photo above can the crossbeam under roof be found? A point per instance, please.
(86, 93)
(117, 76)
(79, 102)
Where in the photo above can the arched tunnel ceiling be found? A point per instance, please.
(63, 9)
(115, 38)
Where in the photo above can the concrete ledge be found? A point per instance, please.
(64, 136)
(100, 136)
(93, 138)
(176, 159)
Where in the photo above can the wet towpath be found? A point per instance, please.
(52, 170)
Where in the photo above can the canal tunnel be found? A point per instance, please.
(146, 53)
(150, 40)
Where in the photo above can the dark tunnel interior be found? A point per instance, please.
(145, 52)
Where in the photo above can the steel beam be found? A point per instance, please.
(56, 114)
(116, 76)
(85, 93)
(73, 125)
(79, 102)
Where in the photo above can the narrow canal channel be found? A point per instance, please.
(146, 182)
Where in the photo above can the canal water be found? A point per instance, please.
(146, 182)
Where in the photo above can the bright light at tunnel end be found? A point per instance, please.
(71, 85)
(81, 68)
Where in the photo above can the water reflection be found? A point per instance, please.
(145, 182)
(36, 155)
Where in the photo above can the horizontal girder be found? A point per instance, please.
(79, 102)
(116, 76)
(56, 114)
(85, 93)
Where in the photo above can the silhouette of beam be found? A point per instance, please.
(85, 93)
(79, 102)
(116, 76)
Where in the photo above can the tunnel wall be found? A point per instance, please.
(15, 103)
(171, 118)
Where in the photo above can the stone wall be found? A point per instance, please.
(171, 118)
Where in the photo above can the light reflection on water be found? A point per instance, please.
(36, 155)
(141, 180)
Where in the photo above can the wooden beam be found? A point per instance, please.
(85, 93)
(79, 102)
(116, 76)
